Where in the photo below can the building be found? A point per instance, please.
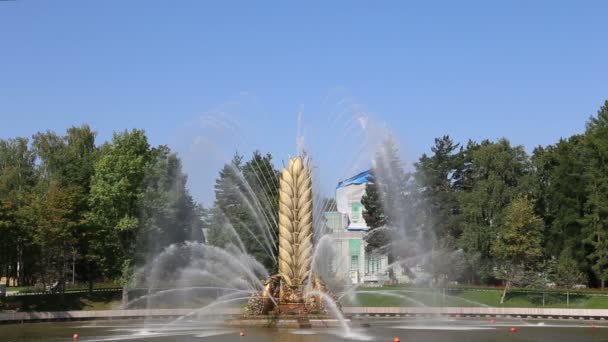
(347, 228)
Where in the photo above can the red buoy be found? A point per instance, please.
(492, 321)
(396, 339)
(593, 325)
(75, 337)
(513, 330)
(242, 334)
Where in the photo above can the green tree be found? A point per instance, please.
(491, 176)
(246, 200)
(560, 188)
(17, 179)
(435, 175)
(567, 274)
(445, 262)
(373, 213)
(392, 182)
(117, 188)
(379, 237)
(595, 220)
(69, 159)
(55, 233)
(378, 202)
(66, 165)
(261, 197)
(221, 231)
(390, 208)
(518, 246)
(169, 214)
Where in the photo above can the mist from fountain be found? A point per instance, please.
(210, 276)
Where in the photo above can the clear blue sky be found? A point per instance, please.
(531, 71)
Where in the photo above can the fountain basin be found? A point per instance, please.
(298, 322)
(410, 329)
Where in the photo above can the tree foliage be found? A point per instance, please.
(387, 209)
(518, 248)
(595, 219)
(482, 212)
(466, 198)
(373, 213)
(246, 202)
(70, 210)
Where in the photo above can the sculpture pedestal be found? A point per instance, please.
(292, 309)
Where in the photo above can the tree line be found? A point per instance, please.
(72, 210)
(481, 213)
(488, 213)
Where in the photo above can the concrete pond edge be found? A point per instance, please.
(235, 314)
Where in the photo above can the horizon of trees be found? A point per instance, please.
(481, 213)
(74, 211)
(71, 210)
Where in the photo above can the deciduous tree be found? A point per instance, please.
(518, 246)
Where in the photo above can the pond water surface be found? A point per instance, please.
(432, 330)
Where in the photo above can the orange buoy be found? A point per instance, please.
(75, 337)
(492, 321)
(396, 339)
(242, 334)
(513, 330)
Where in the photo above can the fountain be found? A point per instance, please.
(212, 278)
(206, 287)
(287, 292)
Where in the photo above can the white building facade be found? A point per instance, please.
(347, 227)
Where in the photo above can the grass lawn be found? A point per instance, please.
(381, 296)
(61, 302)
(463, 297)
(69, 287)
(18, 288)
(101, 300)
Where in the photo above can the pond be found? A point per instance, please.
(432, 330)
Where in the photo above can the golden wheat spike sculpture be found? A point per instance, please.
(295, 223)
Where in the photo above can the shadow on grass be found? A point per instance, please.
(62, 301)
(99, 300)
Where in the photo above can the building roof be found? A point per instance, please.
(361, 178)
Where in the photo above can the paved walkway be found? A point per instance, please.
(477, 311)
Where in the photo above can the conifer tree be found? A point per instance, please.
(373, 213)
(596, 209)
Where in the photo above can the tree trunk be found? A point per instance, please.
(18, 277)
(8, 275)
(567, 298)
(73, 268)
(543, 298)
(64, 274)
(504, 293)
(125, 296)
(602, 283)
(22, 281)
(391, 271)
(90, 276)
